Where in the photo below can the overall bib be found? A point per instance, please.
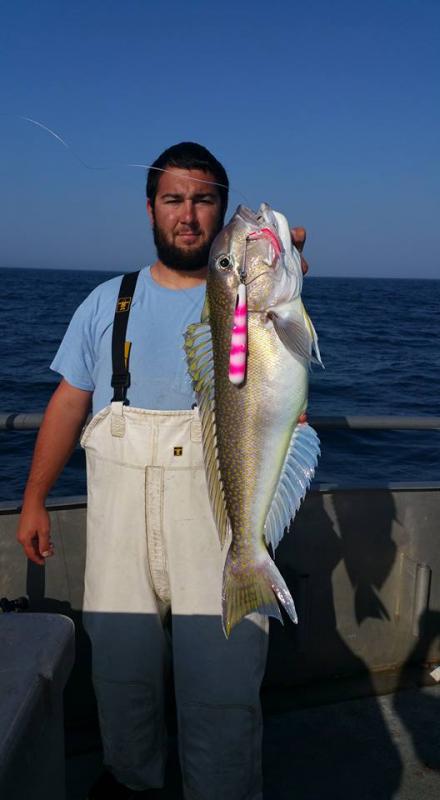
(153, 549)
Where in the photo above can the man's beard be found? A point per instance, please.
(182, 260)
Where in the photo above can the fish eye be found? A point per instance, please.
(225, 262)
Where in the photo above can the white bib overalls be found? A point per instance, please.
(152, 547)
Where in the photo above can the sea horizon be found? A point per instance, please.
(310, 274)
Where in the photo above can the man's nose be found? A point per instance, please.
(188, 212)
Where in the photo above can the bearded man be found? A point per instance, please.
(152, 548)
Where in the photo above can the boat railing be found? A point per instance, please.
(23, 421)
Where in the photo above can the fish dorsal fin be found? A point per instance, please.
(199, 356)
(296, 475)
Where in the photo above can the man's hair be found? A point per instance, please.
(188, 155)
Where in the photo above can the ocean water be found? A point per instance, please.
(379, 342)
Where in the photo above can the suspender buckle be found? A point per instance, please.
(120, 383)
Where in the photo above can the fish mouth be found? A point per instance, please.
(260, 225)
(270, 236)
(248, 216)
(261, 221)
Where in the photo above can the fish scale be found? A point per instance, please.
(242, 434)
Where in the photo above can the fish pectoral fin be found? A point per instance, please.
(292, 329)
(254, 589)
(295, 477)
(315, 346)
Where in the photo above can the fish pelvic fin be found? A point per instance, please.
(254, 589)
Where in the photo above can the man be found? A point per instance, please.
(152, 548)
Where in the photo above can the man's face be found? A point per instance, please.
(186, 218)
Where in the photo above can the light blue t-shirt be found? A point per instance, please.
(157, 320)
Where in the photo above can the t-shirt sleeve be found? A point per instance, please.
(75, 357)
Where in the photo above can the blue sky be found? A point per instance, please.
(329, 111)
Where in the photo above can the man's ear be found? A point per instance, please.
(150, 211)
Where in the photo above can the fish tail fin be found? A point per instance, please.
(255, 589)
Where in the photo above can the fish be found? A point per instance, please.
(249, 360)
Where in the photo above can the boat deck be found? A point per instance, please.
(369, 748)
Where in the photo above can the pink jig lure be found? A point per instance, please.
(238, 351)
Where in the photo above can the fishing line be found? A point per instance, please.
(63, 142)
(198, 180)
(75, 155)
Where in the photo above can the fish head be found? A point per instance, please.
(255, 248)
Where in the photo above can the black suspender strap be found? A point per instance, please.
(121, 375)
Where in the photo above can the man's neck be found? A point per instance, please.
(177, 279)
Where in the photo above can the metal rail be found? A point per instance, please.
(32, 421)
(384, 423)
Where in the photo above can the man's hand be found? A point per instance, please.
(33, 533)
(299, 239)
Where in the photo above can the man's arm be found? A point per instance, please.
(65, 415)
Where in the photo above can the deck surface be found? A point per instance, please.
(373, 748)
